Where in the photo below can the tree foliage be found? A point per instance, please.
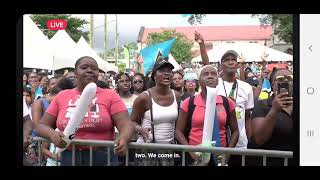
(282, 25)
(196, 19)
(74, 25)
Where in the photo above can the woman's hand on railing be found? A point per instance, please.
(144, 132)
(121, 146)
(57, 139)
(194, 156)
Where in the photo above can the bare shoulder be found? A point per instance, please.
(142, 98)
(177, 94)
(37, 103)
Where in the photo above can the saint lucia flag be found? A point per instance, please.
(265, 89)
(151, 53)
(216, 131)
(266, 85)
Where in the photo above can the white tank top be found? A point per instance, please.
(164, 118)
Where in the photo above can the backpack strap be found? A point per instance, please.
(227, 108)
(191, 108)
(45, 103)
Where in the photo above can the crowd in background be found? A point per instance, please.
(163, 107)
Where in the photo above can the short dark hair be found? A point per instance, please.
(172, 84)
(62, 84)
(27, 89)
(102, 84)
(54, 77)
(43, 76)
(178, 72)
(79, 60)
(119, 76)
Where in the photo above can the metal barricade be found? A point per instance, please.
(183, 148)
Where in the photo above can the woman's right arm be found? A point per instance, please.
(181, 125)
(138, 110)
(46, 129)
(36, 111)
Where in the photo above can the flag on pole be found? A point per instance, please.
(151, 53)
(265, 89)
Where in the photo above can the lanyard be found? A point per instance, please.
(234, 86)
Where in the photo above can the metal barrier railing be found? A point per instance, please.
(183, 148)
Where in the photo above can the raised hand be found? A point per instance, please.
(198, 37)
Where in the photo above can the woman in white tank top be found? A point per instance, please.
(164, 109)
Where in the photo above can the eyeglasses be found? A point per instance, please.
(137, 81)
(284, 78)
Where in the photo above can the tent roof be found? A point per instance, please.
(36, 47)
(86, 50)
(65, 50)
(251, 51)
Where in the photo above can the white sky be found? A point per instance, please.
(129, 24)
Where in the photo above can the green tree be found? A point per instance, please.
(74, 25)
(181, 49)
(196, 19)
(282, 25)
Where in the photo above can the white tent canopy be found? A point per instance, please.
(36, 48)
(86, 50)
(251, 51)
(65, 50)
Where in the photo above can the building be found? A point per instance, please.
(215, 35)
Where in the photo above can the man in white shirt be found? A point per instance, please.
(240, 91)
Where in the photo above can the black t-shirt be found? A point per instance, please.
(282, 137)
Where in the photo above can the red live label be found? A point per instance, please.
(56, 24)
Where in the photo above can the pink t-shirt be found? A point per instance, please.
(195, 136)
(97, 123)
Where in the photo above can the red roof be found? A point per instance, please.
(216, 33)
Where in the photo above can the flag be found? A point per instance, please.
(151, 53)
(266, 85)
(216, 131)
(265, 89)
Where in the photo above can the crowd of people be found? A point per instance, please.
(163, 107)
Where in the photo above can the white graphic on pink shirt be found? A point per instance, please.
(91, 119)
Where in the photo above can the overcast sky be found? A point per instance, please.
(129, 25)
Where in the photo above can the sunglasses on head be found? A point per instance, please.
(284, 78)
(137, 81)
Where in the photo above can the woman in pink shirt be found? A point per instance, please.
(106, 111)
(208, 77)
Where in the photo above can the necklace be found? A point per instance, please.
(231, 94)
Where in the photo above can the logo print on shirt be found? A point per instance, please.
(92, 116)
